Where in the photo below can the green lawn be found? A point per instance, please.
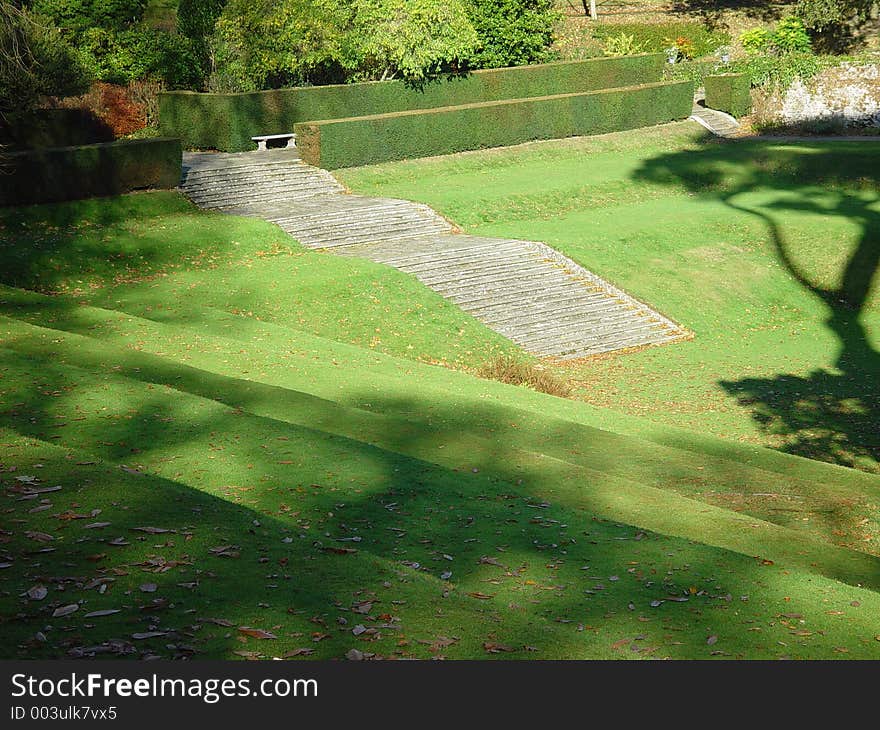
(201, 441)
(766, 252)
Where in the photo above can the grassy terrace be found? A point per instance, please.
(215, 443)
(768, 253)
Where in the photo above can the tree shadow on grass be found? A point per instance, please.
(711, 11)
(564, 557)
(832, 415)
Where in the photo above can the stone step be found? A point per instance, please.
(573, 333)
(523, 290)
(474, 275)
(610, 345)
(501, 300)
(542, 318)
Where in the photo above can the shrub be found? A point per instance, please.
(515, 371)
(622, 45)
(78, 16)
(775, 70)
(834, 24)
(789, 36)
(422, 133)
(657, 37)
(143, 54)
(261, 44)
(35, 61)
(70, 173)
(227, 121)
(512, 32)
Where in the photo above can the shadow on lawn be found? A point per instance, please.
(712, 10)
(829, 415)
(231, 461)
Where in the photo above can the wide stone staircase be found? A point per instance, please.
(524, 290)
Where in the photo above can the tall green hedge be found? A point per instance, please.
(228, 121)
(339, 143)
(731, 93)
(68, 173)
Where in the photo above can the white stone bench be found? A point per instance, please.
(263, 139)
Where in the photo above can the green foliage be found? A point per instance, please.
(789, 36)
(35, 61)
(80, 15)
(729, 93)
(834, 24)
(819, 15)
(367, 140)
(622, 45)
(142, 54)
(756, 40)
(70, 173)
(196, 18)
(414, 39)
(657, 37)
(228, 121)
(779, 70)
(512, 32)
(272, 43)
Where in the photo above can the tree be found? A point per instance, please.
(270, 43)
(80, 15)
(35, 61)
(834, 23)
(513, 32)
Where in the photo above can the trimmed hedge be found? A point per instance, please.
(69, 173)
(53, 128)
(731, 93)
(339, 143)
(228, 121)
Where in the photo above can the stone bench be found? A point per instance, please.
(262, 140)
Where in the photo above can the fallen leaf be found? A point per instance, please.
(494, 648)
(149, 634)
(65, 610)
(256, 633)
(297, 652)
(103, 612)
(39, 536)
(37, 593)
(481, 596)
(148, 587)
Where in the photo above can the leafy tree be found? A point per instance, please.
(834, 23)
(270, 43)
(35, 61)
(414, 39)
(513, 32)
(80, 15)
(142, 54)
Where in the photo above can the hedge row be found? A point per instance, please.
(68, 173)
(365, 140)
(228, 121)
(731, 93)
(53, 128)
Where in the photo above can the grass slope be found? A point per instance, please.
(721, 237)
(212, 474)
